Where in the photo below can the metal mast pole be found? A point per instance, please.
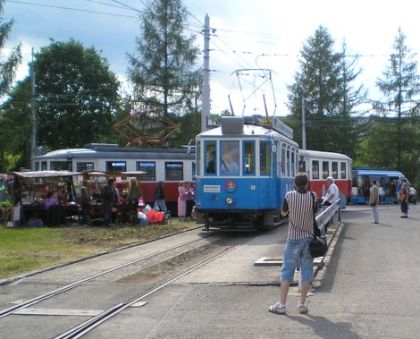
(33, 111)
(303, 124)
(205, 113)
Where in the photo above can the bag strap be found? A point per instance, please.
(313, 213)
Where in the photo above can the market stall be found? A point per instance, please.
(45, 197)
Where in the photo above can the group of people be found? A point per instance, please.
(374, 200)
(110, 198)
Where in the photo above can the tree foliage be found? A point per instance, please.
(394, 141)
(162, 68)
(325, 82)
(76, 95)
(9, 65)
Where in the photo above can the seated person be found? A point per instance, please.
(50, 200)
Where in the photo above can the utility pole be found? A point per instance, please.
(33, 111)
(205, 112)
(303, 124)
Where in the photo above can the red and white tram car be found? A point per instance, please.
(320, 165)
(169, 165)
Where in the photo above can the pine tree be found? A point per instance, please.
(162, 71)
(325, 83)
(400, 85)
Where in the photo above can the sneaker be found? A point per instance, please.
(277, 308)
(302, 308)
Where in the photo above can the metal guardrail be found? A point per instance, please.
(328, 214)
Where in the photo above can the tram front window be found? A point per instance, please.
(229, 164)
(210, 158)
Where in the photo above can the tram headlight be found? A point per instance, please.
(229, 200)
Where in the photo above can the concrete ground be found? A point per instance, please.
(369, 290)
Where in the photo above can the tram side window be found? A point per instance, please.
(265, 159)
(174, 171)
(116, 166)
(325, 169)
(249, 158)
(84, 166)
(43, 166)
(196, 169)
(210, 157)
(334, 169)
(149, 169)
(288, 163)
(60, 166)
(343, 170)
(229, 164)
(315, 169)
(283, 161)
(293, 164)
(37, 166)
(302, 166)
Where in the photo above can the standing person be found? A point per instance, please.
(160, 198)
(190, 199)
(85, 205)
(300, 206)
(332, 192)
(374, 201)
(133, 198)
(107, 201)
(404, 194)
(182, 201)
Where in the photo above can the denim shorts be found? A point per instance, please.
(296, 254)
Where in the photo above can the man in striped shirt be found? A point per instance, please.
(300, 206)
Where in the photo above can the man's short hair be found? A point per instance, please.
(330, 179)
(301, 180)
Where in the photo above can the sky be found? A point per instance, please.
(251, 35)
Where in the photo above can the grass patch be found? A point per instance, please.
(27, 249)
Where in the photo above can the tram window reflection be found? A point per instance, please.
(265, 159)
(334, 169)
(325, 169)
(343, 170)
(210, 158)
(315, 169)
(249, 158)
(229, 158)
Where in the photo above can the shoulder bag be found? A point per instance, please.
(318, 245)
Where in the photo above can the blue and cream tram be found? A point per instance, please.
(243, 173)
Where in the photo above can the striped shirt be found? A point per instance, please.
(300, 207)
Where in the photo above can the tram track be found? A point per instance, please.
(122, 291)
(88, 326)
(8, 311)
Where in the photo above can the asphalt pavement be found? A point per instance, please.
(369, 289)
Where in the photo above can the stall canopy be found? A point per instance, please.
(45, 174)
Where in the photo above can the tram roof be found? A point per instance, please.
(111, 151)
(379, 172)
(323, 155)
(248, 131)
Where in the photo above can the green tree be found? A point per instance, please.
(15, 125)
(325, 82)
(162, 70)
(400, 86)
(9, 65)
(76, 95)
